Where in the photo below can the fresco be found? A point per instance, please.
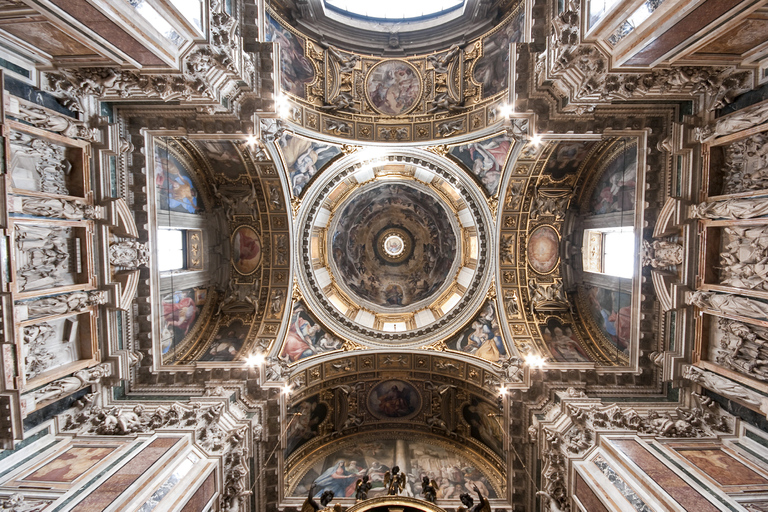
(482, 337)
(296, 70)
(566, 158)
(246, 250)
(721, 467)
(485, 159)
(357, 237)
(224, 157)
(562, 342)
(70, 465)
(394, 399)
(306, 337)
(339, 471)
(305, 422)
(615, 190)
(481, 417)
(174, 189)
(611, 311)
(492, 68)
(543, 249)
(227, 342)
(393, 87)
(181, 310)
(303, 158)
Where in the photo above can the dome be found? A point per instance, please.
(395, 247)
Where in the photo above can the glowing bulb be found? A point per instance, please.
(255, 359)
(287, 389)
(282, 107)
(503, 390)
(534, 361)
(536, 140)
(252, 140)
(505, 110)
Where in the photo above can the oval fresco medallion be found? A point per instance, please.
(394, 399)
(393, 87)
(543, 249)
(246, 250)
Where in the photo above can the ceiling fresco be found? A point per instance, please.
(393, 245)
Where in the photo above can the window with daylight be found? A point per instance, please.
(610, 251)
(394, 9)
(171, 254)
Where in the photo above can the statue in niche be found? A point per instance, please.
(730, 209)
(37, 357)
(728, 304)
(346, 62)
(60, 304)
(75, 382)
(129, 254)
(660, 254)
(440, 62)
(744, 348)
(467, 501)
(726, 387)
(51, 168)
(733, 123)
(45, 256)
(343, 101)
(746, 165)
(429, 489)
(361, 488)
(744, 263)
(57, 208)
(394, 481)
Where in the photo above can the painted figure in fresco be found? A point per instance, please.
(362, 487)
(337, 479)
(563, 344)
(173, 186)
(303, 158)
(295, 68)
(612, 313)
(394, 481)
(395, 403)
(486, 159)
(483, 337)
(180, 314)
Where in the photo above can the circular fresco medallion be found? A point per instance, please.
(393, 87)
(394, 399)
(393, 245)
(543, 249)
(246, 250)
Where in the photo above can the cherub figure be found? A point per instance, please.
(362, 487)
(310, 505)
(394, 481)
(429, 489)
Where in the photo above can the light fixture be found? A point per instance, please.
(282, 106)
(256, 359)
(535, 361)
(536, 140)
(252, 140)
(287, 389)
(502, 390)
(505, 110)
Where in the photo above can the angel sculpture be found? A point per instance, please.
(467, 501)
(310, 505)
(362, 487)
(394, 481)
(429, 489)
